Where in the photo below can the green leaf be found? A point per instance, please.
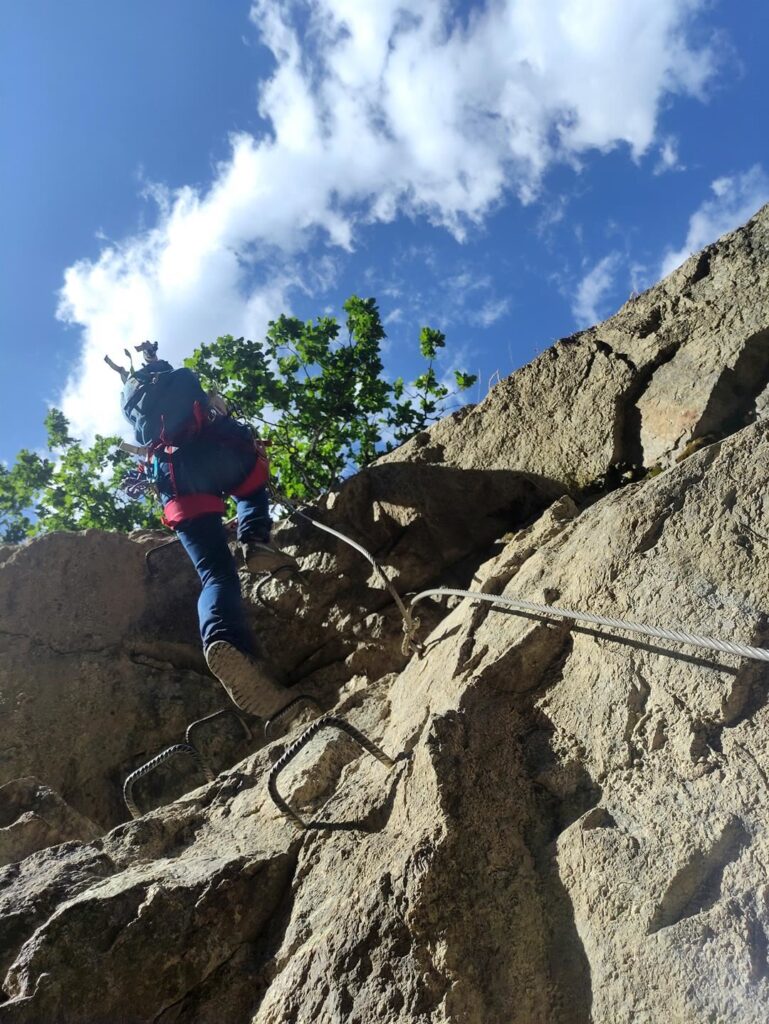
(430, 340)
(465, 380)
(57, 429)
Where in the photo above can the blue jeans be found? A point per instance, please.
(220, 605)
(191, 482)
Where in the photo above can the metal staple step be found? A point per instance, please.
(150, 766)
(326, 722)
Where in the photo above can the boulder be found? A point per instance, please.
(100, 665)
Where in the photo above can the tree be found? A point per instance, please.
(19, 488)
(76, 488)
(320, 400)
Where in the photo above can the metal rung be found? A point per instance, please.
(150, 766)
(326, 722)
(282, 576)
(156, 548)
(211, 718)
(292, 704)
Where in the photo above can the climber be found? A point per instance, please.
(195, 452)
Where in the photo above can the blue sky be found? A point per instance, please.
(508, 171)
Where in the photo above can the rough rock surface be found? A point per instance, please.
(688, 360)
(574, 828)
(33, 816)
(99, 665)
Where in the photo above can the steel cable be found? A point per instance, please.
(410, 623)
(676, 635)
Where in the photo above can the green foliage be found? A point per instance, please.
(318, 398)
(19, 488)
(78, 490)
(84, 492)
(430, 341)
(464, 380)
(57, 429)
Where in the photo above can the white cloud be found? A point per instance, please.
(593, 289)
(465, 282)
(668, 156)
(376, 110)
(553, 212)
(735, 199)
(395, 316)
(447, 299)
(490, 312)
(641, 277)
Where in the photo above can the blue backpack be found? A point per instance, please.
(164, 406)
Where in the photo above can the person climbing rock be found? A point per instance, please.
(195, 453)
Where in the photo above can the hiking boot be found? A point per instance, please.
(246, 680)
(261, 556)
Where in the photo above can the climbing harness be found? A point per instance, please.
(326, 722)
(675, 635)
(410, 623)
(150, 766)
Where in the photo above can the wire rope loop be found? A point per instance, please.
(153, 763)
(282, 576)
(326, 722)
(212, 718)
(153, 550)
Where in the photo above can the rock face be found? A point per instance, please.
(33, 816)
(99, 665)
(686, 361)
(574, 827)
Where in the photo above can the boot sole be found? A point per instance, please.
(245, 681)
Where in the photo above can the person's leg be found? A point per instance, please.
(254, 522)
(220, 606)
(254, 526)
(227, 642)
(249, 488)
(185, 483)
